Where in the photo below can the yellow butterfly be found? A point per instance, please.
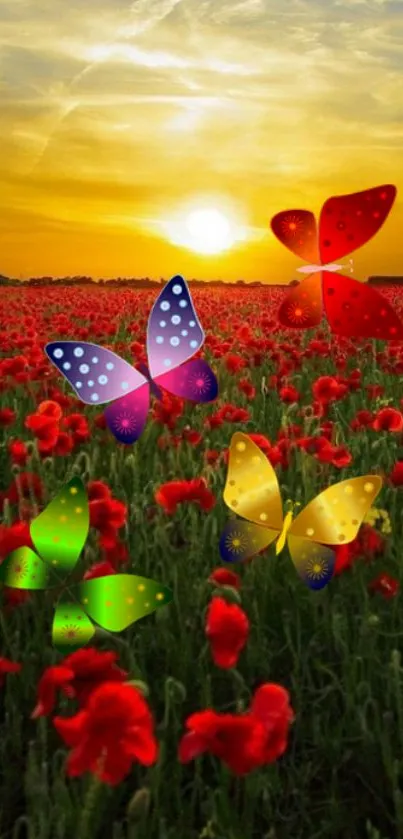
(334, 517)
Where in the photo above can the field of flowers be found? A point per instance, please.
(250, 706)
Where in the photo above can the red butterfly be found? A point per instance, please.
(346, 223)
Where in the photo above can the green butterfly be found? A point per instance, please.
(59, 534)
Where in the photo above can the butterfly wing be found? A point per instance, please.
(23, 569)
(126, 417)
(347, 222)
(335, 516)
(194, 380)
(357, 310)
(251, 491)
(241, 540)
(296, 229)
(174, 333)
(314, 563)
(71, 629)
(303, 307)
(116, 601)
(96, 375)
(59, 533)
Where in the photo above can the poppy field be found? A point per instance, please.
(249, 706)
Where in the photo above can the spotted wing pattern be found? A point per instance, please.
(348, 222)
(303, 306)
(356, 309)
(174, 333)
(96, 375)
(335, 516)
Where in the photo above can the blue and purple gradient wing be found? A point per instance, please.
(96, 375)
(194, 380)
(174, 333)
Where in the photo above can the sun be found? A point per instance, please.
(209, 231)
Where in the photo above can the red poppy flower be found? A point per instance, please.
(81, 673)
(23, 486)
(7, 417)
(7, 666)
(13, 537)
(388, 419)
(225, 577)
(396, 475)
(113, 731)
(53, 679)
(242, 741)
(289, 394)
(227, 629)
(234, 363)
(386, 585)
(99, 569)
(237, 740)
(18, 452)
(172, 493)
(271, 705)
(50, 409)
(327, 389)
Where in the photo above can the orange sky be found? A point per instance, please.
(119, 118)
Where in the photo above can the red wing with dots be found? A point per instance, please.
(356, 310)
(296, 229)
(303, 306)
(194, 380)
(348, 222)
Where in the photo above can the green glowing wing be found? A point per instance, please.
(117, 600)
(60, 532)
(71, 629)
(23, 569)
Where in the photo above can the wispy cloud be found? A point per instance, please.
(119, 110)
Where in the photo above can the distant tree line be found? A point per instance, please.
(146, 282)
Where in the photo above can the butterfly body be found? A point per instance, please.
(332, 518)
(99, 376)
(346, 222)
(59, 534)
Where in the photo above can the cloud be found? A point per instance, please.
(124, 109)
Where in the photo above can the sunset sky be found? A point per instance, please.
(120, 119)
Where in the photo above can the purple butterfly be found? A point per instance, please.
(174, 335)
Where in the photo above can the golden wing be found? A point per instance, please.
(335, 516)
(251, 491)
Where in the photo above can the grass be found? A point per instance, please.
(338, 652)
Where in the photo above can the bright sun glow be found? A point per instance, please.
(205, 231)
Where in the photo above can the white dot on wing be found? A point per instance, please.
(66, 365)
(110, 365)
(165, 306)
(103, 380)
(177, 289)
(183, 304)
(167, 362)
(78, 352)
(159, 339)
(78, 385)
(193, 344)
(94, 397)
(175, 319)
(58, 353)
(174, 341)
(84, 368)
(163, 323)
(90, 383)
(124, 385)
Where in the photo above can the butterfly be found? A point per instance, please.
(59, 534)
(332, 518)
(346, 222)
(174, 335)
